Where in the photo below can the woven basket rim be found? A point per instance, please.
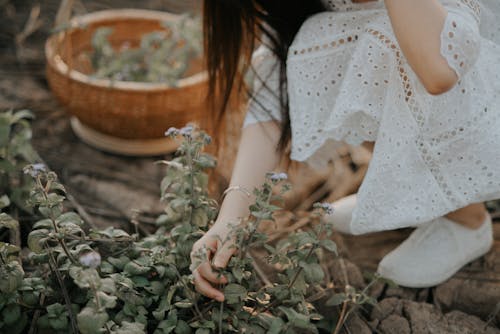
(57, 63)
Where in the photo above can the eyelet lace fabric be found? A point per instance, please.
(349, 81)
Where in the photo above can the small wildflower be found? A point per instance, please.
(276, 177)
(186, 131)
(207, 139)
(90, 259)
(327, 207)
(35, 169)
(172, 132)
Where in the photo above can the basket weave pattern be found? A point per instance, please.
(123, 109)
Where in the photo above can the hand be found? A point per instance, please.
(211, 245)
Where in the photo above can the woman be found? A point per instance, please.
(414, 77)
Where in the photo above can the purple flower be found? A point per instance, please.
(186, 131)
(207, 139)
(276, 177)
(35, 169)
(90, 259)
(327, 207)
(172, 132)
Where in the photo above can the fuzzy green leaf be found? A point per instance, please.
(132, 268)
(90, 321)
(329, 245)
(36, 239)
(11, 314)
(298, 320)
(313, 272)
(182, 327)
(336, 299)
(130, 328)
(156, 288)
(4, 201)
(234, 293)
(106, 300)
(183, 304)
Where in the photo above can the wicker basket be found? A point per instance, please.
(122, 110)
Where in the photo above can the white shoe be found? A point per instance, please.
(436, 251)
(341, 217)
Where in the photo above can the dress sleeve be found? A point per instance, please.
(460, 37)
(264, 104)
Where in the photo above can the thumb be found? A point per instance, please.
(223, 255)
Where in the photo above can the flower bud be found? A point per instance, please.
(90, 259)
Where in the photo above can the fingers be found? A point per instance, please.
(204, 287)
(210, 275)
(203, 274)
(221, 258)
(201, 252)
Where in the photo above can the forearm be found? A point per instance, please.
(418, 26)
(256, 156)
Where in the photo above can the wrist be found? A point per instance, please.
(226, 223)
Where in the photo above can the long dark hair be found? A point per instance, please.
(231, 30)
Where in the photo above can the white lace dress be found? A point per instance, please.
(349, 81)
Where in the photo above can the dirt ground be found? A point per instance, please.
(107, 186)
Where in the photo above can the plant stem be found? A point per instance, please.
(191, 179)
(190, 294)
(36, 315)
(45, 191)
(341, 318)
(220, 313)
(292, 282)
(343, 315)
(311, 250)
(300, 268)
(253, 226)
(67, 300)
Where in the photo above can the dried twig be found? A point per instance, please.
(492, 316)
(342, 317)
(32, 25)
(260, 272)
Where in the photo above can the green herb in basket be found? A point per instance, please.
(162, 56)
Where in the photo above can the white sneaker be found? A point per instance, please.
(342, 214)
(435, 251)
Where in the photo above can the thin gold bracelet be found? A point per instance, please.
(239, 188)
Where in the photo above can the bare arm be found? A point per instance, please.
(417, 25)
(256, 156)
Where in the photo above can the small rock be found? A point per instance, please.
(354, 274)
(470, 296)
(387, 307)
(357, 325)
(396, 316)
(459, 322)
(394, 324)
(424, 318)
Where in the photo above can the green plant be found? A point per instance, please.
(162, 56)
(109, 281)
(15, 153)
